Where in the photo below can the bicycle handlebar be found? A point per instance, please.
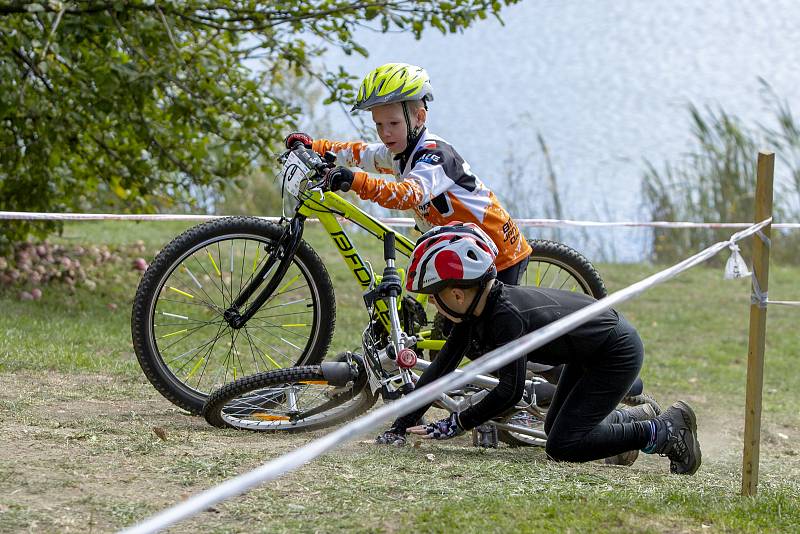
(320, 164)
(388, 246)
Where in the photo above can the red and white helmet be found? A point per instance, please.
(459, 254)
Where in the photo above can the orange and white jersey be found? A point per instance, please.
(436, 183)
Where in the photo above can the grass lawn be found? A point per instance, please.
(78, 452)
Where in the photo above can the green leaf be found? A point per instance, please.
(371, 12)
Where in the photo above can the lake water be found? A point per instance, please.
(606, 83)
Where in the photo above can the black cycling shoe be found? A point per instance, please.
(677, 439)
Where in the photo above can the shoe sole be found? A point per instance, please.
(691, 419)
(624, 458)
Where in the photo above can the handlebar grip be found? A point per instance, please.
(388, 246)
(297, 144)
(344, 187)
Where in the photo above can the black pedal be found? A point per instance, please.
(485, 436)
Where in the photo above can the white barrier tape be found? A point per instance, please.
(784, 302)
(493, 360)
(394, 221)
(41, 216)
(644, 224)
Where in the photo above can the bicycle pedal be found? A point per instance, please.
(485, 436)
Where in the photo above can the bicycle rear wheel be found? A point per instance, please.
(184, 343)
(534, 419)
(551, 264)
(556, 265)
(289, 400)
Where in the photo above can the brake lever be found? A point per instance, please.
(283, 157)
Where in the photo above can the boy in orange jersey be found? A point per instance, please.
(431, 178)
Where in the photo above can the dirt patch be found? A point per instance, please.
(78, 453)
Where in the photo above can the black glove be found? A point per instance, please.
(443, 429)
(394, 436)
(294, 137)
(340, 179)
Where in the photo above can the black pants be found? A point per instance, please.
(580, 425)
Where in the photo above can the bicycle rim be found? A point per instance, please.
(289, 400)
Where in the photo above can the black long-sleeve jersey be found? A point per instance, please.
(510, 313)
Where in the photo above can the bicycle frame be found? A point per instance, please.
(328, 207)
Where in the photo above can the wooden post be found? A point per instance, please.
(758, 324)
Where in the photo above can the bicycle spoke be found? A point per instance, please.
(257, 263)
(207, 358)
(241, 273)
(185, 321)
(197, 348)
(287, 359)
(203, 361)
(253, 352)
(200, 286)
(256, 317)
(210, 278)
(188, 333)
(281, 327)
(260, 352)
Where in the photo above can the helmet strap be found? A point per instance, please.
(467, 315)
(412, 134)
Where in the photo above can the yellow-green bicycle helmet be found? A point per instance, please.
(393, 82)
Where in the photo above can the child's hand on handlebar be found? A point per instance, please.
(340, 179)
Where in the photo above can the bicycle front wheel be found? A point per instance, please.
(290, 400)
(181, 337)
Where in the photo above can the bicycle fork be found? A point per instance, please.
(390, 289)
(278, 262)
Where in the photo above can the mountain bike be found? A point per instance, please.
(237, 296)
(317, 396)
